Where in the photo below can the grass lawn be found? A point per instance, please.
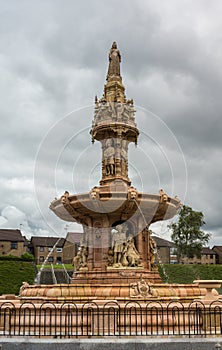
(56, 267)
(13, 273)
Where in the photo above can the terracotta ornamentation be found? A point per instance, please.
(80, 260)
(140, 289)
(131, 256)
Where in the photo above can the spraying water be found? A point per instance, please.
(38, 276)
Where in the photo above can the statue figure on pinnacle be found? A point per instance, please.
(114, 61)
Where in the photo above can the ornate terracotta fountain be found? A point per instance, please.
(117, 255)
(116, 288)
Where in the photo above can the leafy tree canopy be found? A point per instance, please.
(187, 236)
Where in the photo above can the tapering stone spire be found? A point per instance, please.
(114, 123)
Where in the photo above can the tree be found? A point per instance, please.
(187, 235)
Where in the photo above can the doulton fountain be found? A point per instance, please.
(117, 256)
(116, 288)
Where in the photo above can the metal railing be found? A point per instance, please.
(111, 319)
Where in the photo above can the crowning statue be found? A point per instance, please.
(114, 61)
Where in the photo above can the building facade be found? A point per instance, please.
(47, 249)
(217, 249)
(164, 250)
(12, 243)
(55, 250)
(208, 257)
(71, 246)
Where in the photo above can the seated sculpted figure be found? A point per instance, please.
(77, 261)
(80, 260)
(131, 256)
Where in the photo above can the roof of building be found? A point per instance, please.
(47, 241)
(26, 241)
(218, 248)
(160, 242)
(11, 235)
(74, 237)
(207, 250)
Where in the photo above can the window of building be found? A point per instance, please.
(50, 249)
(59, 250)
(41, 249)
(41, 259)
(14, 245)
(50, 259)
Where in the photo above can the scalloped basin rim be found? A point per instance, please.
(208, 283)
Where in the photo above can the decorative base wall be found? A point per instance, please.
(85, 292)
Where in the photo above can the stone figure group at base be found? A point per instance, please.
(80, 260)
(124, 251)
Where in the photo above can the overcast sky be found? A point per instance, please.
(54, 59)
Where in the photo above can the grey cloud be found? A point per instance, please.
(54, 59)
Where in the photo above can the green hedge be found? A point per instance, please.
(187, 273)
(23, 257)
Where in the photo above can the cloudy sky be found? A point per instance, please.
(54, 59)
